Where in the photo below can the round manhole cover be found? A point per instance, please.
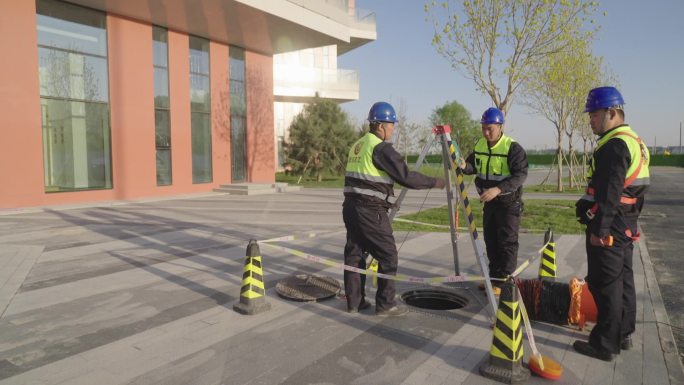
(433, 299)
(308, 288)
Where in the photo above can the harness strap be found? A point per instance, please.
(628, 181)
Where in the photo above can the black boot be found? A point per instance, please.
(588, 350)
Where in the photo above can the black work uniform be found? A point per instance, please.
(610, 275)
(365, 214)
(501, 216)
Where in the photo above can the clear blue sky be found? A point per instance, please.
(641, 42)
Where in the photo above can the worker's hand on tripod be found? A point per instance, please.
(439, 183)
(462, 164)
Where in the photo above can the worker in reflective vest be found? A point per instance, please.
(500, 167)
(618, 178)
(373, 166)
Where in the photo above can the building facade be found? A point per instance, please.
(104, 101)
(301, 76)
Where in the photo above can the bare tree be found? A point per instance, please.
(588, 143)
(501, 41)
(557, 91)
(401, 134)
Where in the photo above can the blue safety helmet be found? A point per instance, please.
(603, 97)
(492, 115)
(382, 112)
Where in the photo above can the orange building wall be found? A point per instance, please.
(179, 93)
(21, 146)
(131, 106)
(260, 132)
(131, 85)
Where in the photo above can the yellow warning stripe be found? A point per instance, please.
(527, 263)
(547, 265)
(252, 278)
(507, 337)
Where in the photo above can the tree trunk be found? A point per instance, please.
(571, 170)
(559, 158)
(304, 170)
(584, 161)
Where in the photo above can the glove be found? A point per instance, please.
(439, 183)
(581, 208)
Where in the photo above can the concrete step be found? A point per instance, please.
(256, 188)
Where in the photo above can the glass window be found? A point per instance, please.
(237, 140)
(237, 82)
(76, 145)
(201, 147)
(161, 87)
(162, 121)
(200, 93)
(160, 46)
(238, 113)
(72, 75)
(200, 107)
(71, 28)
(74, 90)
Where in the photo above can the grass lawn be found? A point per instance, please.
(552, 188)
(337, 181)
(538, 216)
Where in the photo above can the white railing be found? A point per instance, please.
(339, 10)
(315, 79)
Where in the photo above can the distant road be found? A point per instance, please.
(662, 222)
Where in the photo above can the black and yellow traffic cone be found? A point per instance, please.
(506, 354)
(547, 262)
(253, 293)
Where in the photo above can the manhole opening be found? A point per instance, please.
(434, 299)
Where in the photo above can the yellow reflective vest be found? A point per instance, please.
(491, 163)
(361, 174)
(637, 172)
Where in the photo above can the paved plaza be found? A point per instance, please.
(143, 292)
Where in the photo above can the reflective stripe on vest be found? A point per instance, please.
(365, 191)
(360, 166)
(491, 163)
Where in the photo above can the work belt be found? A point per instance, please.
(625, 200)
(589, 196)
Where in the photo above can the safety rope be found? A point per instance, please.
(399, 277)
(420, 208)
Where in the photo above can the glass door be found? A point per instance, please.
(237, 140)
